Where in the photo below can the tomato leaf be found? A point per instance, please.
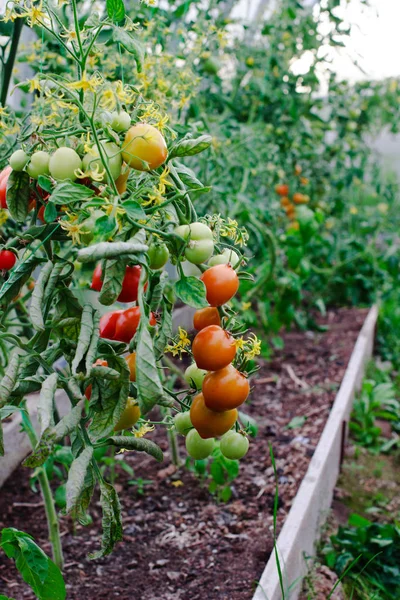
(110, 250)
(50, 213)
(131, 45)
(150, 390)
(115, 10)
(191, 291)
(133, 210)
(18, 195)
(68, 193)
(188, 178)
(190, 147)
(10, 378)
(137, 444)
(77, 477)
(37, 570)
(112, 525)
(164, 331)
(46, 402)
(113, 277)
(36, 307)
(11, 288)
(85, 336)
(112, 395)
(45, 183)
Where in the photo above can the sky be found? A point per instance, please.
(375, 38)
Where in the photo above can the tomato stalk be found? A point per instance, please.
(9, 64)
(50, 509)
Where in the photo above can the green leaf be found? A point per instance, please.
(19, 276)
(133, 210)
(190, 147)
(36, 307)
(50, 213)
(131, 45)
(45, 183)
(112, 395)
(37, 570)
(191, 291)
(137, 444)
(115, 10)
(296, 422)
(110, 250)
(68, 193)
(9, 380)
(112, 525)
(18, 195)
(85, 337)
(77, 477)
(164, 332)
(150, 390)
(46, 402)
(94, 342)
(113, 277)
(188, 177)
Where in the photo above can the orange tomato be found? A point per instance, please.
(131, 360)
(285, 201)
(221, 283)
(144, 147)
(121, 181)
(225, 389)
(129, 417)
(213, 348)
(208, 423)
(282, 189)
(205, 317)
(300, 198)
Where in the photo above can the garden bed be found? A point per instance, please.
(178, 543)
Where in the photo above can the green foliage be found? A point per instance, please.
(377, 400)
(373, 551)
(36, 569)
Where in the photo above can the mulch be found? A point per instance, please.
(179, 542)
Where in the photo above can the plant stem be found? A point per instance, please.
(51, 514)
(172, 440)
(9, 65)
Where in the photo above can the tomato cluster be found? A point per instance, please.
(121, 325)
(213, 411)
(289, 205)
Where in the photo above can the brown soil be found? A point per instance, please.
(179, 543)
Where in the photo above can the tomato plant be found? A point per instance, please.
(221, 283)
(130, 283)
(208, 423)
(206, 316)
(234, 445)
(7, 260)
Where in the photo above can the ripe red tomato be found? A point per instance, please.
(4, 175)
(108, 323)
(130, 284)
(99, 362)
(40, 214)
(121, 325)
(208, 423)
(225, 389)
(213, 348)
(7, 260)
(206, 316)
(221, 283)
(282, 189)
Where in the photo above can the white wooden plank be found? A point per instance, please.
(312, 502)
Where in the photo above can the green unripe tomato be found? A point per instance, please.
(190, 270)
(38, 165)
(198, 448)
(158, 256)
(120, 121)
(234, 445)
(182, 422)
(200, 242)
(18, 160)
(63, 164)
(112, 151)
(227, 256)
(194, 375)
